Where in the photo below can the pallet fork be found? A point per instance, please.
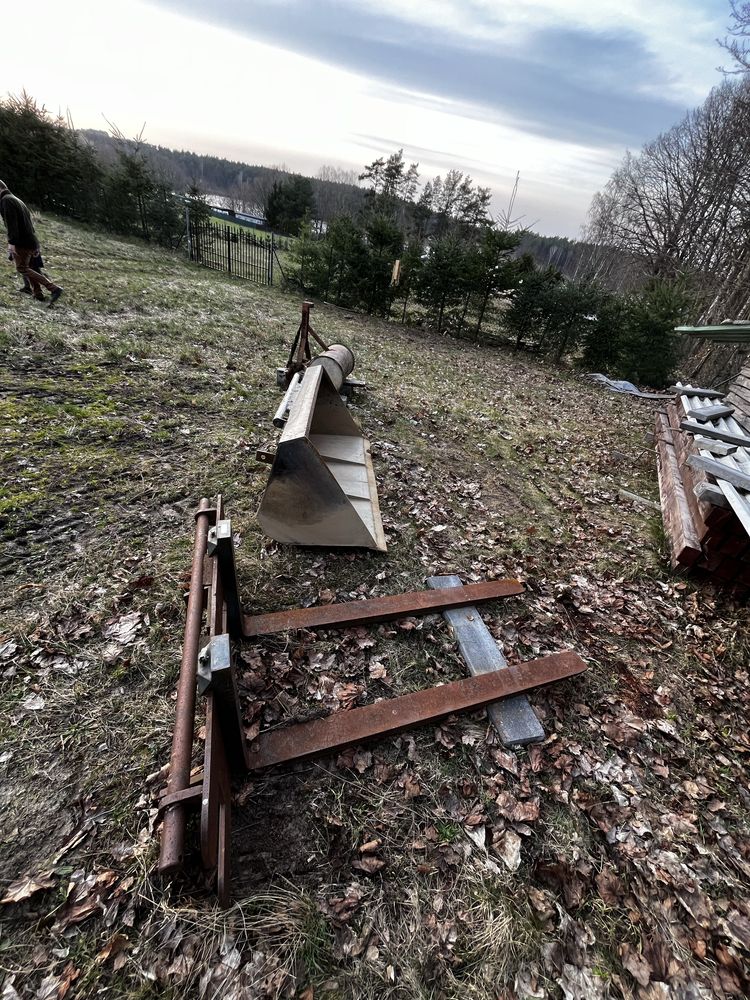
(214, 597)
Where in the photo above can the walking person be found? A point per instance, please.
(36, 265)
(23, 239)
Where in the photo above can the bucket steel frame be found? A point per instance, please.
(321, 489)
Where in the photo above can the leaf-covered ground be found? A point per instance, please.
(610, 861)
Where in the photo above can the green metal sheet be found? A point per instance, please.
(721, 333)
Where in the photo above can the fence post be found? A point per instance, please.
(270, 262)
(229, 250)
(198, 240)
(187, 232)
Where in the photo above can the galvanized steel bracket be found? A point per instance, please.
(220, 546)
(213, 659)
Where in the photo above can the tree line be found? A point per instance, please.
(678, 210)
(426, 254)
(47, 163)
(433, 254)
(243, 187)
(263, 190)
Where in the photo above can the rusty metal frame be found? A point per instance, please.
(214, 595)
(379, 609)
(300, 353)
(343, 729)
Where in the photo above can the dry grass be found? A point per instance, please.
(152, 384)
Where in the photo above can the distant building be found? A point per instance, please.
(221, 205)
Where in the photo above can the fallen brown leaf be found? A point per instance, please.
(69, 975)
(370, 847)
(412, 788)
(508, 847)
(26, 886)
(369, 864)
(116, 944)
(610, 887)
(636, 964)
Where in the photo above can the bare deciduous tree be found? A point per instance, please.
(737, 41)
(680, 207)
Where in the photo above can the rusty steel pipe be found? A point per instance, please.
(338, 362)
(173, 827)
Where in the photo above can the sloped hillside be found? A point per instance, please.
(610, 861)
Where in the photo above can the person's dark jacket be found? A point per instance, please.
(17, 219)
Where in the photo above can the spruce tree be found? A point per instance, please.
(287, 204)
(649, 353)
(441, 279)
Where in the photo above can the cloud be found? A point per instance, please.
(608, 69)
(479, 87)
(677, 34)
(588, 80)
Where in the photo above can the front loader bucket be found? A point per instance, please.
(322, 486)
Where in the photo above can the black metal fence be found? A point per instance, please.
(226, 248)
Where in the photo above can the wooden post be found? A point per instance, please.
(683, 447)
(684, 543)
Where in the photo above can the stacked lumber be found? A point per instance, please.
(703, 462)
(738, 395)
(684, 543)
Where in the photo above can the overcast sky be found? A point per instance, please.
(555, 89)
